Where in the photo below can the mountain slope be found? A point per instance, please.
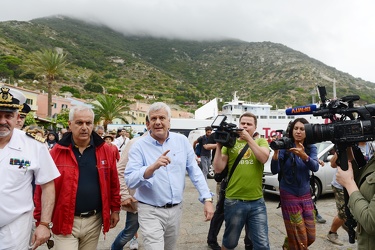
(177, 71)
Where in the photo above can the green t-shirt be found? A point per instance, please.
(246, 181)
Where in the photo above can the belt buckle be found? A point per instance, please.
(87, 214)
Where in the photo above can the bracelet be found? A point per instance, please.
(308, 159)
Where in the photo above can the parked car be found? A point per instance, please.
(322, 178)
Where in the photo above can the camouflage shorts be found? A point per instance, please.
(340, 202)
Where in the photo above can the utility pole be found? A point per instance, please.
(330, 80)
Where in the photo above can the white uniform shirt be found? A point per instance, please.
(121, 142)
(20, 159)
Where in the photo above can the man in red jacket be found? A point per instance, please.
(87, 192)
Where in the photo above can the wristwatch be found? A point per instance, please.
(49, 225)
(208, 199)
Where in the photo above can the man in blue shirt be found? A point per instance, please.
(156, 169)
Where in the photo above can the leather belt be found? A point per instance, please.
(168, 205)
(87, 214)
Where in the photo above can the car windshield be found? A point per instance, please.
(322, 146)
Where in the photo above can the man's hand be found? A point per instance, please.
(244, 135)
(40, 236)
(208, 210)
(346, 178)
(115, 217)
(128, 202)
(163, 160)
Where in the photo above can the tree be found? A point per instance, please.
(63, 118)
(50, 64)
(108, 108)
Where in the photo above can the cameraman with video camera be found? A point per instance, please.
(244, 203)
(361, 202)
(293, 160)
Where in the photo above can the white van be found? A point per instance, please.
(193, 135)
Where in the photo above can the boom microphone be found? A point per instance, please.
(301, 110)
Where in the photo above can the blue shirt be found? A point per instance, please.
(167, 183)
(296, 172)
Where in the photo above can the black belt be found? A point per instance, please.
(87, 214)
(168, 205)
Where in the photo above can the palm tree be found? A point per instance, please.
(50, 64)
(109, 107)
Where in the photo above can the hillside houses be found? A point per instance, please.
(38, 100)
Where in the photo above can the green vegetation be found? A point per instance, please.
(102, 60)
(109, 107)
(48, 64)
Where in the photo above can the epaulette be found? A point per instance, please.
(36, 137)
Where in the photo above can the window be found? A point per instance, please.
(29, 101)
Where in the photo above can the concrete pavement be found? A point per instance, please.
(193, 232)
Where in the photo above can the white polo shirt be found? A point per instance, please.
(21, 159)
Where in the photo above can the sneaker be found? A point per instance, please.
(133, 244)
(214, 246)
(320, 219)
(334, 238)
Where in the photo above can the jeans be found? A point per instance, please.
(237, 213)
(205, 162)
(131, 227)
(218, 219)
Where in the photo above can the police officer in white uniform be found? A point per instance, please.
(21, 158)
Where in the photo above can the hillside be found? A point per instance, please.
(175, 71)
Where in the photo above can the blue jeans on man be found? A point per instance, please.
(131, 227)
(237, 214)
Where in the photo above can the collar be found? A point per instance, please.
(154, 141)
(91, 143)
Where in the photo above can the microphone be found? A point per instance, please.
(302, 110)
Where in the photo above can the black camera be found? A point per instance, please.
(282, 143)
(225, 133)
(349, 125)
(358, 128)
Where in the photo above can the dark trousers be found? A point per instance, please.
(218, 219)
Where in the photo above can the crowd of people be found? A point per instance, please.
(84, 178)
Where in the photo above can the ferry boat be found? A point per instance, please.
(269, 121)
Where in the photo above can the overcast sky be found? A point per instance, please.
(339, 33)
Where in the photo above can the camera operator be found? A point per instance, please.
(244, 203)
(361, 202)
(293, 163)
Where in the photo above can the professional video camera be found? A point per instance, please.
(360, 127)
(225, 133)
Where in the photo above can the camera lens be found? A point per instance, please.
(276, 145)
(319, 132)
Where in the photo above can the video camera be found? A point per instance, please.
(344, 133)
(225, 133)
(284, 142)
(360, 127)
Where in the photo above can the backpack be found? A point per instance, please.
(198, 147)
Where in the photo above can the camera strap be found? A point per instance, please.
(239, 157)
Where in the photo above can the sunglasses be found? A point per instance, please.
(50, 243)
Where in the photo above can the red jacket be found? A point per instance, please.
(66, 185)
